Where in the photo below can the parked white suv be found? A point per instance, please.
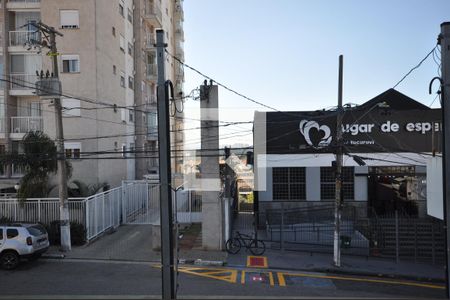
(21, 240)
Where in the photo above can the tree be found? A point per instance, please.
(39, 160)
(84, 190)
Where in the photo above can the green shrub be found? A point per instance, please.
(77, 233)
(5, 220)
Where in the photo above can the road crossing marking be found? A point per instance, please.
(227, 275)
(231, 276)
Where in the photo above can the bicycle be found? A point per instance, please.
(234, 244)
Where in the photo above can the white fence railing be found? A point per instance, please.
(135, 202)
(20, 38)
(20, 81)
(188, 205)
(43, 210)
(102, 212)
(26, 124)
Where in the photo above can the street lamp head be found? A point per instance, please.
(17, 187)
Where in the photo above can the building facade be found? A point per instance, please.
(387, 143)
(107, 67)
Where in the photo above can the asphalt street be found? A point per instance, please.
(96, 277)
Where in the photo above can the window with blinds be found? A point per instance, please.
(69, 19)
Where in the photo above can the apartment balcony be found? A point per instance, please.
(19, 38)
(153, 13)
(17, 171)
(150, 103)
(152, 133)
(179, 51)
(2, 128)
(150, 43)
(151, 72)
(22, 125)
(179, 11)
(179, 31)
(23, 4)
(22, 84)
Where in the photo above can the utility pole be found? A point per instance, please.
(339, 161)
(445, 90)
(168, 274)
(49, 41)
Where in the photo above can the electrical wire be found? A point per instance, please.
(415, 67)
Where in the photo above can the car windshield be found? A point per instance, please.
(36, 230)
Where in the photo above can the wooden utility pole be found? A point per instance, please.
(338, 172)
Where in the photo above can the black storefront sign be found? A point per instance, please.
(364, 131)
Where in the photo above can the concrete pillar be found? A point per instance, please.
(212, 226)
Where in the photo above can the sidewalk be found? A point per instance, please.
(134, 243)
(351, 265)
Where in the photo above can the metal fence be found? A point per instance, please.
(135, 202)
(188, 204)
(103, 212)
(43, 210)
(396, 236)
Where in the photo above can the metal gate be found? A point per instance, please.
(140, 202)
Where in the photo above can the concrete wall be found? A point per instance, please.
(313, 184)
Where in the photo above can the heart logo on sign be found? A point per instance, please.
(324, 131)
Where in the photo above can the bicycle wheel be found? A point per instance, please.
(233, 246)
(257, 247)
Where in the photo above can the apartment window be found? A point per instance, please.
(122, 79)
(71, 107)
(124, 150)
(121, 10)
(114, 31)
(131, 115)
(73, 150)
(130, 82)
(114, 69)
(71, 63)
(289, 183)
(123, 114)
(130, 16)
(122, 43)
(69, 19)
(328, 183)
(130, 49)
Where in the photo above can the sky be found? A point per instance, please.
(285, 53)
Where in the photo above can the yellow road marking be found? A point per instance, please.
(231, 276)
(282, 281)
(271, 279)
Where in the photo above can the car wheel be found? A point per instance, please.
(9, 260)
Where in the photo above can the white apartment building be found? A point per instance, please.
(105, 56)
